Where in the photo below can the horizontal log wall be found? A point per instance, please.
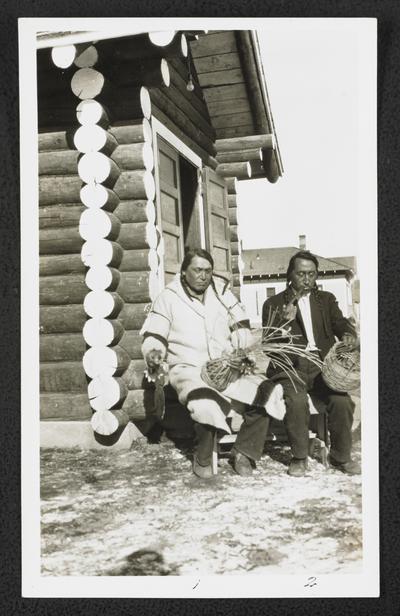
(62, 319)
(63, 376)
(134, 375)
(64, 407)
(139, 404)
(134, 315)
(138, 240)
(131, 342)
(62, 288)
(52, 265)
(140, 260)
(62, 347)
(88, 171)
(59, 189)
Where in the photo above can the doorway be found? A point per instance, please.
(179, 206)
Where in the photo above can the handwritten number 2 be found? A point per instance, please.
(312, 581)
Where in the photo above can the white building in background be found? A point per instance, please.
(264, 275)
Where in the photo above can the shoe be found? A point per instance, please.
(349, 468)
(204, 472)
(297, 467)
(242, 465)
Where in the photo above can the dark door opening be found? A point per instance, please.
(179, 206)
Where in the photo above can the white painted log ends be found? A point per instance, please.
(99, 227)
(121, 245)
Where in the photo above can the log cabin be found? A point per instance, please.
(142, 139)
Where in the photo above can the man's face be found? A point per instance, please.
(198, 274)
(303, 276)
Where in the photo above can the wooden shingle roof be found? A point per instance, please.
(230, 73)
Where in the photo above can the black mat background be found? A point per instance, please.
(388, 14)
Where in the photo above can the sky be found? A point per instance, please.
(311, 75)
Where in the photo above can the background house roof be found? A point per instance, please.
(273, 262)
(349, 262)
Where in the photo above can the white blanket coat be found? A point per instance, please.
(189, 333)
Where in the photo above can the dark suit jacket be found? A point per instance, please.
(327, 319)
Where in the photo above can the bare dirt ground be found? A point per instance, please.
(142, 512)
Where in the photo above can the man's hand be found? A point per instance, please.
(351, 341)
(241, 338)
(290, 310)
(154, 358)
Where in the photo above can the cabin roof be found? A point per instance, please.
(227, 65)
(230, 73)
(273, 262)
(52, 38)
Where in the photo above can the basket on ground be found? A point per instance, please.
(341, 368)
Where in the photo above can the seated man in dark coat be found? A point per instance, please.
(314, 317)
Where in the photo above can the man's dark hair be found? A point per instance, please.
(195, 252)
(302, 254)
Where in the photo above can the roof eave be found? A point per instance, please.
(58, 39)
(264, 93)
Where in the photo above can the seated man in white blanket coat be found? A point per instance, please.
(195, 319)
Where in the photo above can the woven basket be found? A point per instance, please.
(341, 369)
(221, 372)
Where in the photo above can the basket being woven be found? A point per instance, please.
(221, 372)
(341, 368)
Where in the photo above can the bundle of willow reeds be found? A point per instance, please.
(341, 368)
(277, 343)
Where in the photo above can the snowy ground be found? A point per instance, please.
(142, 512)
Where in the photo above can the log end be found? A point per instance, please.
(149, 185)
(87, 83)
(166, 78)
(90, 138)
(147, 132)
(95, 224)
(184, 46)
(90, 111)
(104, 423)
(63, 56)
(99, 304)
(87, 58)
(148, 157)
(162, 38)
(106, 392)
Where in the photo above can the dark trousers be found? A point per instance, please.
(249, 441)
(339, 408)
